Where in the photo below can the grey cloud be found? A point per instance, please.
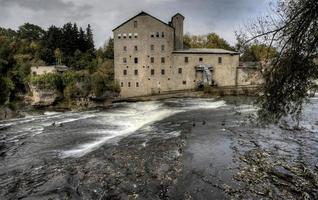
(37, 5)
(202, 16)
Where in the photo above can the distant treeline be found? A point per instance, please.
(31, 45)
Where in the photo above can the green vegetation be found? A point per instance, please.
(68, 45)
(292, 29)
(211, 40)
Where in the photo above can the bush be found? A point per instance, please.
(47, 81)
(6, 86)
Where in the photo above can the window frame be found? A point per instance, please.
(179, 70)
(220, 60)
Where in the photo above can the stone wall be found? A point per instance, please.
(147, 83)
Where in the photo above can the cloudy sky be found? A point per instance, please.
(202, 16)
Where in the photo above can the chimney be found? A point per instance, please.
(177, 24)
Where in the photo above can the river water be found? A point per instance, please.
(170, 149)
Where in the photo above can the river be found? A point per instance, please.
(185, 148)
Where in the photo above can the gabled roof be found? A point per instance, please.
(142, 13)
(178, 14)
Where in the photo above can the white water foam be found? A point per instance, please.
(136, 116)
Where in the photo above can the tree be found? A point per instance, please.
(89, 38)
(258, 52)
(211, 40)
(30, 32)
(215, 41)
(292, 29)
(109, 49)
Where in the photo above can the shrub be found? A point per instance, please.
(6, 86)
(48, 81)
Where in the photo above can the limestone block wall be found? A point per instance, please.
(151, 77)
(224, 73)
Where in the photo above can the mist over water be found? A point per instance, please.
(87, 131)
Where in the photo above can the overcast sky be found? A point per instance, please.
(201, 16)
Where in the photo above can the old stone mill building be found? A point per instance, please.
(150, 58)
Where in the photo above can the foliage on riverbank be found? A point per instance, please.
(69, 45)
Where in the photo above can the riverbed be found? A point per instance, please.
(184, 148)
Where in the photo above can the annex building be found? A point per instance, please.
(149, 58)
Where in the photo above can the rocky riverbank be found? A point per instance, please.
(169, 149)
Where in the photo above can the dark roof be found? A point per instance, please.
(142, 13)
(204, 51)
(178, 14)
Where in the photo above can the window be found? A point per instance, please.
(137, 84)
(124, 35)
(136, 48)
(152, 72)
(152, 60)
(200, 59)
(180, 70)
(163, 34)
(119, 36)
(162, 47)
(157, 34)
(152, 47)
(152, 34)
(163, 60)
(162, 72)
(136, 72)
(130, 35)
(125, 48)
(124, 60)
(220, 60)
(125, 72)
(184, 82)
(136, 60)
(121, 84)
(186, 59)
(135, 24)
(128, 84)
(136, 35)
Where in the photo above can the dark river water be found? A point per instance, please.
(170, 149)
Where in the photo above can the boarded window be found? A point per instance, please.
(152, 72)
(162, 72)
(163, 60)
(152, 47)
(180, 70)
(135, 24)
(220, 60)
(136, 60)
(186, 59)
(136, 72)
(125, 48)
(125, 72)
(152, 60)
